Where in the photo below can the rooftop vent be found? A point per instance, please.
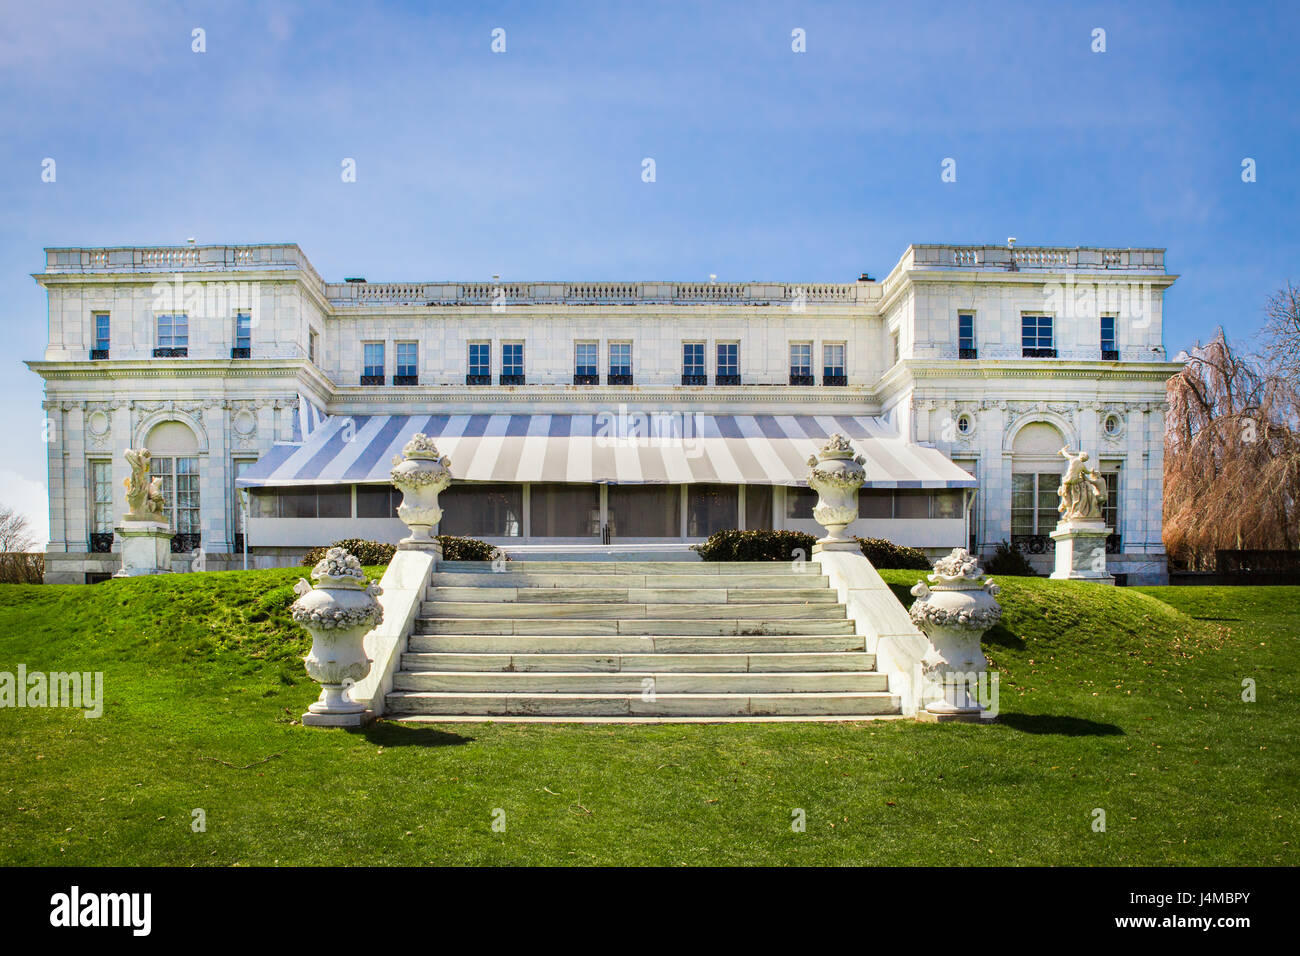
(354, 278)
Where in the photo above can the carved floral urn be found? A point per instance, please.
(420, 473)
(837, 474)
(338, 611)
(954, 610)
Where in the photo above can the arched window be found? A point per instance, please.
(176, 461)
(1036, 468)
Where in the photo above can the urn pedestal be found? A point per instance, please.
(836, 475)
(1081, 551)
(420, 473)
(146, 547)
(338, 612)
(954, 610)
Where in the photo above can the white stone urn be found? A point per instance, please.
(338, 611)
(420, 473)
(836, 475)
(954, 610)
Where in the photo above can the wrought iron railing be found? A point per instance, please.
(101, 542)
(835, 380)
(171, 353)
(726, 380)
(186, 542)
(97, 354)
(372, 380)
(512, 380)
(586, 380)
(478, 379)
(406, 380)
(1043, 544)
(968, 353)
(1038, 353)
(802, 379)
(1110, 355)
(241, 352)
(695, 380)
(620, 380)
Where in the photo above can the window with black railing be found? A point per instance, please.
(101, 504)
(407, 370)
(1109, 345)
(693, 370)
(243, 336)
(512, 363)
(372, 363)
(585, 368)
(966, 335)
(834, 371)
(728, 368)
(801, 372)
(480, 364)
(173, 335)
(99, 348)
(620, 363)
(1036, 337)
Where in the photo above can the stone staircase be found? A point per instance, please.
(635, 641)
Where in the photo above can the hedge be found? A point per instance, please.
(885, 554)
(381, 552)
(755, 546)
(1008, 561)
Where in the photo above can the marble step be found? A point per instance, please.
(643, 683)
(729, 705)
(623, 579)
(613, 644)
(630, 567)
(647, 626)
(655, 662)
(474, 610)
(612, 595)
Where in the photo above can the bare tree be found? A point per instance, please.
(1281, 332)
(15, 532)
(1232, 456)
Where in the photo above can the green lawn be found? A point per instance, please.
(1123, 699)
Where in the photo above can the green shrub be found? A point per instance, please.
(465, 549)
(380, 552)
(1009, 561)
(755, 546)
(885, 554)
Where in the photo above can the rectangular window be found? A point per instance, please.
(1033, 503)
(833, 369)
(373, 361)
(711, 508)
(894, 352)
(312, 345)
(482, 511)
(564, 511)
(693, 360)
(758, 507)
(238, 467)
(799, 502)
(1036, 336)
(408, 359)
(512, 363)
(620, 363)
(966, 335)
(645, 511)
(585, 357)
(243, 330)
(101, 320)
(480, 359)
(911, 504)
(101, 497)
(801, 359)
(1109, 346)
(873, 503)
(180, 491)
(728, 361)
(377, 501)
(1110, 510)
(173, 331)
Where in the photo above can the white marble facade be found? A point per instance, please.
(994, 412)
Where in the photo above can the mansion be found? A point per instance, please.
(599, 417)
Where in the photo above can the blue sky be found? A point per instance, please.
(770, 164)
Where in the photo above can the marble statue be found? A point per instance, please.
(1082, 490)
(144, 498)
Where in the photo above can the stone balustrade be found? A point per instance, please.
(1032, 257)
(185, 258)
(598, 293)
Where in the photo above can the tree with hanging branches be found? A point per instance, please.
(1232, 447)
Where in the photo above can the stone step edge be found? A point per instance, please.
(628, 719)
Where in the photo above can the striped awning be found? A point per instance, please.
(622, 448)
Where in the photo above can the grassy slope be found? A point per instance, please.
(1111, 698)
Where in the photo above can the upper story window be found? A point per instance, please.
(833, 368)
(101, 341)
(620, 363)
(372, 363)
(480, 364)
(313, 345)
(728, 363)
(243, 335)
(173, 335)
(801, 372)
(512, 363)
(966, 335)
(407, 369)
(1109, 347)
(895, 352)
(586, 371)
(1036, 336)
(693, 370)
